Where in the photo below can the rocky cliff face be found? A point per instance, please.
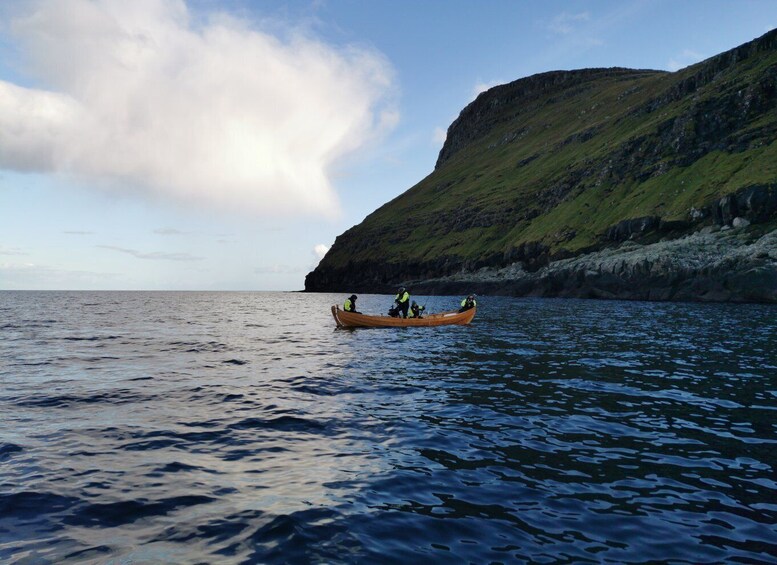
(729, 265)
(562, 165)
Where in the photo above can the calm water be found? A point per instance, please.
(242, 427)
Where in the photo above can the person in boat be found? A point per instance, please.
(415, 310)
(402, 301)
(468, 303)
(350, 304)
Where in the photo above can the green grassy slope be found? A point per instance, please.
(559, 158)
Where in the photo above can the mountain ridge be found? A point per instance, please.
(487, 103)
(567, 163)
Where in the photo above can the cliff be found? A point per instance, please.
(566, 165)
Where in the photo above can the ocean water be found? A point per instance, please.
(244, 428)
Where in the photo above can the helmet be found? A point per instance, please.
(414, 304)
(352, 297)
(471, 297)
(401, 289)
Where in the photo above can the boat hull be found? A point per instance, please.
(345, 319)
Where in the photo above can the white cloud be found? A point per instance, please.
(684, 59)
(439, 135)
(135, 96)
(566, 23)
(153, 255)
(319, 251)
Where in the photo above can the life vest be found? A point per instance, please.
(412, 314)
(402, 299)
(348, 305)
(472, 303)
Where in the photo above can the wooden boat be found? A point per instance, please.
(352, 320)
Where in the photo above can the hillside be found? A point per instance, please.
(571, 163)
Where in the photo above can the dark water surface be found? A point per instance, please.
(241, 427)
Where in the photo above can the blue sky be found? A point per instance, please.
(216, 145)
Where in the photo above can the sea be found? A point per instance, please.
(243, 427)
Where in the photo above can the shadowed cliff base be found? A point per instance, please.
(725, 260)
(723, 266)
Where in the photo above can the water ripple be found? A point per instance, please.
(199, 427)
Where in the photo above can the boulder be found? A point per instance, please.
(633, 227)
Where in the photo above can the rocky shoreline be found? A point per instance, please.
(711, 265)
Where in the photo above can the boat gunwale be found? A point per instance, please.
(345, 319)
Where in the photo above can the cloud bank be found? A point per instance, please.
(143, 96)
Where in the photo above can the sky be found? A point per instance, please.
(224, 145)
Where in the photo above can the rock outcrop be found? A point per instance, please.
(712, 266)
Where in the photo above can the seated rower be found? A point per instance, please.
(415, 310)
(468, 303)
(350, 304)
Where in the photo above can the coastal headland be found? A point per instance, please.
(605, 183)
